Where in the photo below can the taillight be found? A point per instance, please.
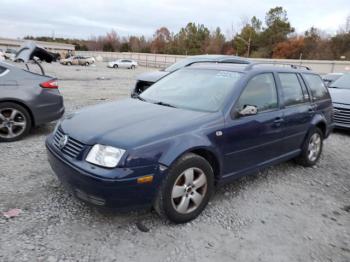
(50, 84)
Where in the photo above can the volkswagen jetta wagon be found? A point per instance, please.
(199, 127)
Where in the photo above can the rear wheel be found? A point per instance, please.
(132, 67)
(312, 148)
(186, 190)
(87, 64)
(15, 122)
(69, 63)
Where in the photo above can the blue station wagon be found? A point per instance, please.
(199, 127)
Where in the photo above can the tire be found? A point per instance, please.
(313, 142)
(179, 206)
(87, 64)
(132, 67)
(19, 123)
(115, 66)
(69, 64)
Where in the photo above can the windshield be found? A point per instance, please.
(342, 82)
(195, 89)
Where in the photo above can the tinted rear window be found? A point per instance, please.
(292, 91)
(317, 87)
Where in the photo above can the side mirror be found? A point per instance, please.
(248, 110)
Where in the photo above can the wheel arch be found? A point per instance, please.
(207, 152)
(320, 122)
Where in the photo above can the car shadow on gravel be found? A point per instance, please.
(342, 131)
(146, 219)
(42, 130)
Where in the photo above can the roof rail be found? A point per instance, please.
(250, 66)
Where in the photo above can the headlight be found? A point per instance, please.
(106, 156)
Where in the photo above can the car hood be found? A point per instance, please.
(130, 123)
(30, 50)
(340, 95)
(152, 76)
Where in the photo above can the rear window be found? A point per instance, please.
(292, 91)
(317, 87)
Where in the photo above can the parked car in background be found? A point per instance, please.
(147, 79)
(78, 60)
(29, 51)
(123, 63)
(2, 55)
(331, 77)
(340, 92)
(10, 54)
(27, 99)
(200, 126)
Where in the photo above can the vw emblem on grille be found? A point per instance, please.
(63, 141)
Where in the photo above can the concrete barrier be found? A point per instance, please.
(162, 61)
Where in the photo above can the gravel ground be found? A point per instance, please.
(285, 213)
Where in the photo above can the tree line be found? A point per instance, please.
(274, 37)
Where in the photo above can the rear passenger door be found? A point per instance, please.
(297, 110)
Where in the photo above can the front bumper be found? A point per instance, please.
(341, 115)
(120, 193)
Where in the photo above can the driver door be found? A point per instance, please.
(254, 140)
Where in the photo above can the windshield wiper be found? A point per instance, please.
(164, 104)
(140, 98)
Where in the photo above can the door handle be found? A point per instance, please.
(278, 120)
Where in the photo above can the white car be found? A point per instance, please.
(123, 63)
(2, 56)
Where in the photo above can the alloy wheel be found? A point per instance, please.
(189, 190)
(314, 147)
(12, 123)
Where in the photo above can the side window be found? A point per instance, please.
(260, 92)
(317, 87)
(291, 88)
(2, 70)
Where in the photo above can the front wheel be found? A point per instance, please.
(186, 190)
(15, 122)
(115, 66)
(312, 148)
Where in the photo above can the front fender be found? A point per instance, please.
(166, 152)
(182, 145)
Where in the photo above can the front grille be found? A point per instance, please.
(72, 148)
(342, 116)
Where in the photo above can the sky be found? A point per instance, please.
(83, 19)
